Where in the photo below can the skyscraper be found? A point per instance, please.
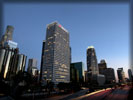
(102, 66)
(92, 66)
(79, 67)
(8, 35)
(121, 75)
(109, 75)
(130, 74)
(56, 66)
(42, 60)
(11, 62)
(32, 63)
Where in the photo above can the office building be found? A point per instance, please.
(109, 75)
(21, 63)
(8, 35)
(79, 67)
(56, 66)
(74, 74)
(42, 60)
(32, 64)
(130, 74)
(86, 76)
(102, 66)
(11, 44)
(92, 66)
(11, 63)
(121, 75)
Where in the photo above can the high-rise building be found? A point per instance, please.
(10, 62)
(42, 60)
(121, 75)
(56, 66)
(130, 74)
(86, 76)
(32, 63)
(8, 35)
(21, 63)
(74, 74)
(79, 67)
(102, 66)
(109, 75)
(92, 66)
(11, 44)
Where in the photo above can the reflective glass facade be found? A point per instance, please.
(11, 62)
(79, 67)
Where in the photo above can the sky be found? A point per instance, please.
(105, 26)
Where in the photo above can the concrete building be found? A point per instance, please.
(56, 65)
(121, 75)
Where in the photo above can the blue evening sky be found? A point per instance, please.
(105, 26)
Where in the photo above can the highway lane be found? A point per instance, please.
(116, 94)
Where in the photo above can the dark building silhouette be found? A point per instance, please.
(121, 75)
(109, 75)
(74, 74)
(42, 61)
(86, 77)
(102, 66)
(78, 66)
(92, 66)
(130, 74)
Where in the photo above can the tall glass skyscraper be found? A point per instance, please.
(56, 65)
(92, 66)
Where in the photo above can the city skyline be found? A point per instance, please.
(115, 59)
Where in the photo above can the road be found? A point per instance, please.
(116, 94)
(108, 94)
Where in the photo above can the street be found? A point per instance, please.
(116, 94)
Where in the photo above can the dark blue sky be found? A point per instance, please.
(105, 26)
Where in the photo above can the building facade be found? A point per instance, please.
(102, 66)
(8, 35)
(121, 75)
(56, 65)
(42, 61)
(32, 64)
(92, 66)
(74, 74)
(79, 67)
(109, 75)
(130, 74)
(11, 62)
